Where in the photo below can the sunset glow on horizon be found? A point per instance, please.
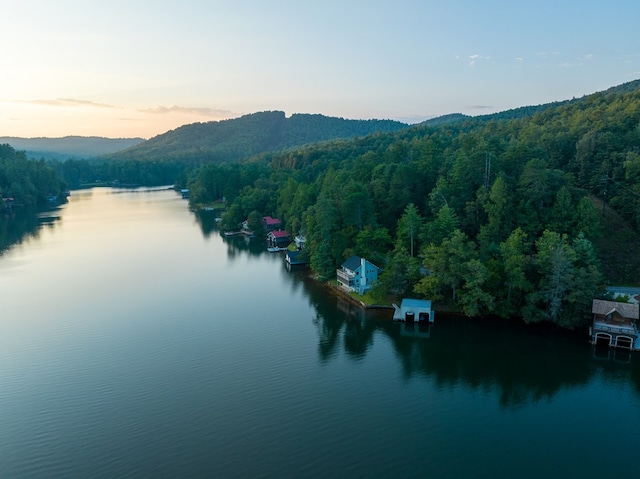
(122, 69)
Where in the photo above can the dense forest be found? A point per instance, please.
(84, 173)
(527, 213)
(166, 158)
(497, 214)
(27, 182)
(231, 140)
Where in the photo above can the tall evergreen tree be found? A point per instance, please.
(409, 227)
(514, 260)
(474, 297)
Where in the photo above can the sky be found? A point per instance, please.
(139, 68)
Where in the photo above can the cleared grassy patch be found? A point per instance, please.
(366, 299)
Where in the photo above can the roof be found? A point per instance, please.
(269, 221)
(279, 234)
(352, 263)
(409, 303)
(626, 310)
(296, 257)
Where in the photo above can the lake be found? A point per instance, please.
(137, 342)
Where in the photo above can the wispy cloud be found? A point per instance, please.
(474, 59)
(519, 59)
(203, 111)
(159, 110)
(471, 60)
(480, 107)
(67, 102)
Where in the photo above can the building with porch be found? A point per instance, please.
(615, 325)
(278, 239)
(357, 274)
(300, 240)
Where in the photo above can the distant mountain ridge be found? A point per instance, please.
(252, 134)
(69, 146)
(269, 131)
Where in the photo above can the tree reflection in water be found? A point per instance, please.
(524, 363)
(23, 224)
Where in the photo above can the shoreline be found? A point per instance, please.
(344, 294)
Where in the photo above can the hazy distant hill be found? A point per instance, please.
(444, 119)
(69, 146)
(230, 140)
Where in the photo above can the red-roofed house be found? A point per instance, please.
(278, 239)
(270, 224)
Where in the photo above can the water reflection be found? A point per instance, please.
(207, 222)
(526, 364)
(24, 224)
(236, 245)
(240, 245)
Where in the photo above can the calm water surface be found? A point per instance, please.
(136, 342)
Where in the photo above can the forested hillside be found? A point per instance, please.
(490, 215)
(231, 140)
(83, 173)
(26, 182)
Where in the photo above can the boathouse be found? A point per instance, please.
(295, 258)
(357, 274)
(615, 325)
(412, 310)
(278, 239)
